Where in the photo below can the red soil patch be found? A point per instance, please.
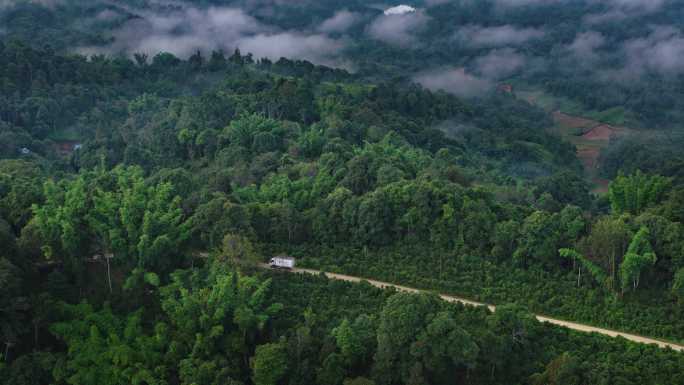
(595, 136)
(572, 121)
(66, 147)
(601, 132)
(589, 157)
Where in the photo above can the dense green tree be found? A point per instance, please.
(562, 370)
(19, 189)
(566, 188)
(606, 245)
(139, 223)
(539, 238)
(269, 364)
(401, 317)
(13, 303)
(639, 256)
(215, 326)
(238, 250)
(678, 284)
(62, 221)
(219, 216)
(633, 194)
(581, 262)
(444, 346)
(478, 224)
(113, 213)
(355, 339)
(107, 349)
(505, 239)
(332, 370)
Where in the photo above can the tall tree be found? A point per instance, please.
(633, 194)
(607, 244)
(215, 322)
(103, 348)
(580, 262)
(639, 255)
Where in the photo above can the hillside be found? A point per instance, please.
(153, 154)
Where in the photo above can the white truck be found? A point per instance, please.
(282, 263)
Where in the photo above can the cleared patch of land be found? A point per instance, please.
(589, 132)
(589, 137)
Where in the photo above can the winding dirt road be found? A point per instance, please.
(449, 298)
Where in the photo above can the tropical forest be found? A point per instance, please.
(341, 192)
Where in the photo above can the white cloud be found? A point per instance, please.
(107, 15)
(662, 51)
(315, 48)
(499, 63)
(45, 3)
(453, 80)
(185, 30)
(643, 5)
(399, 10)
(432, 3)
(616, 7)
(585, 45)
(398, 29)
(524, 3)
(499, 36)
(340, 22)
(623, 9)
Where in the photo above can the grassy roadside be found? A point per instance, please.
(650, 313)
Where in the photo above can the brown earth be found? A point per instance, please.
(571, 121)
(601, 132)
(66, 147)
(589, 157)
(589, 137)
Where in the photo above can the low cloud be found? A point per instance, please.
(340, 22)
(186, 30)
(500, 36)
(586, 44)
(662, 51)
(499, 63)
(45, 3)
(455, 81)
(398, 29)
(524, 3)
(614, 9)
(107, 15)
(315, 48)
(432, 3)
(623, 9)
(640, 5)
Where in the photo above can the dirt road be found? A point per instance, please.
(569, 325)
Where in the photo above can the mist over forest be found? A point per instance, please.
(629, 52)
(173, 171)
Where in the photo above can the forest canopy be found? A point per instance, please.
(154, 154)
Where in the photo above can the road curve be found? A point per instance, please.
(449, 298)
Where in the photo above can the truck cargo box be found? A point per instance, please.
(282, 262)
